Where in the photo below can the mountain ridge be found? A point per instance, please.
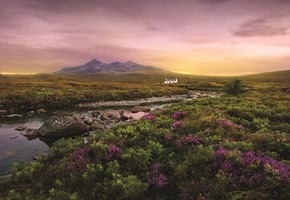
(96, 66)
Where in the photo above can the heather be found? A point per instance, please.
(227, 147)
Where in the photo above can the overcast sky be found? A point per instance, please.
(221, 37)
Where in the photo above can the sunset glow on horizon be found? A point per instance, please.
(205, 37)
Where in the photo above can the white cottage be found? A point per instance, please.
(170, 81)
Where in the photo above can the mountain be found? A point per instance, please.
(95, 66)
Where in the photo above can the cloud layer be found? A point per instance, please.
(198, 36)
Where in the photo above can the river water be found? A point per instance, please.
(15, 147)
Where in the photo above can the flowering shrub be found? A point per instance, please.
(229, 125)
(149, 117)
(79, 159)
(154, 158)
(250, 169)
(113, 152)
(177, 125)
(178, 115)
(188, 139)
(155, 177)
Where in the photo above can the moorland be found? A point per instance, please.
(235, 146)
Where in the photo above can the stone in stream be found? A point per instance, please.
(106, 116)
(41, 111)
(137, 109)
(145, 109)
(96, 125)
(121, 112)
(88, 120)
(63, 124)
(95, 113)
(30, 133)
(20, 127)
(124, 118)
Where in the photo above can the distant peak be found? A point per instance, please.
(130, 63)
(94, 61)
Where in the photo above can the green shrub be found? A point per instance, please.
(234, 87)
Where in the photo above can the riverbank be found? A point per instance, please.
(151, 100)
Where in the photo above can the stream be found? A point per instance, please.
(15, 147)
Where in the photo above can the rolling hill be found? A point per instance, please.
(276, 76)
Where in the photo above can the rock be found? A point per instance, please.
(124, 118)
(96, 125)
(21, 128)
(135, 110)
(30, 132)
(96, 113)
(88, 120)
(14, 115)
(63, 124)
(41, 111)
(13, 137)
(3, 112)
(106, 116)
(32, 112)
(121, 112)
(145, 109)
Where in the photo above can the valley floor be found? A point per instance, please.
(228, 147)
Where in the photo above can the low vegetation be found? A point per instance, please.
(62, 93)
(234, 87)
(228, 147)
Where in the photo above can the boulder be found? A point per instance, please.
(145, 109)
(88, 120)
(41, 111)
(124, 118)
(30, 133)
(64, 124)
(21, 128)
(95, 113)
(96, 125)
(135, 110)
(106, 116)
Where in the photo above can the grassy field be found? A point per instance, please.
(23, 93)
(228, 147)
(54, 91)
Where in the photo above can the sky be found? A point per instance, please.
(206, 37)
